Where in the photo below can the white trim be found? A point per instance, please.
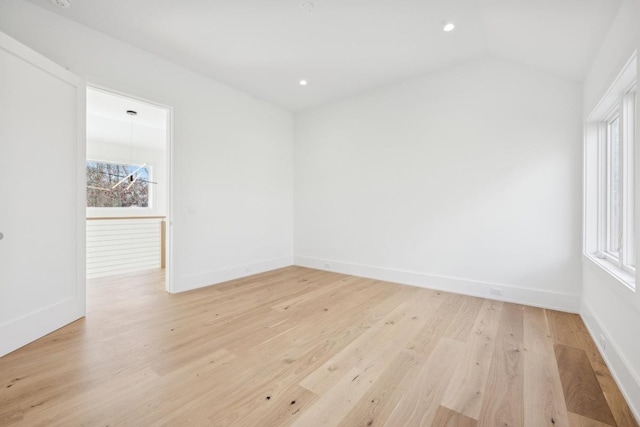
(36, 324)
(626, 378)
(621, 84)
(169, 271)
(81, 200)
(624, 277)
(169, 276)
(514, 294)
(213, 277)
(627, 134)
(617, 103)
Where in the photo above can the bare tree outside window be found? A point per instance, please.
(106, 188)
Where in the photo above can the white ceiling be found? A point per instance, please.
(342, 47)
(108, 121)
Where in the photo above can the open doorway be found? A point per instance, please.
(128, 186)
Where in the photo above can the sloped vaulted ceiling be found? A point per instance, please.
(342, 47)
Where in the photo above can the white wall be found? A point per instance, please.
(608, 307)
(232, 195)
(464, 179)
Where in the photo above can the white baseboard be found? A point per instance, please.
(200, 280)
(533, 297)
(628, 381)
(28, 328)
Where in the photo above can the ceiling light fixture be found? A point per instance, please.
(303, 82)
(448, 27)
(132, 177)
(64, 4)
(307, 6)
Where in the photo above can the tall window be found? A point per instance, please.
(609, 178)
(613, 188)
(117, 185)
(616, 176)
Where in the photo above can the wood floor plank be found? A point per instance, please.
(381, 398)
(576, 420)
(466, 389)
(506, 374)
(334, 404)
(461, 326)
(570, 330)
(537, 336)
(245, 380)
(361, 364)
(79, 409)
(424, 342)
(268, 409)
(347, 350)
(564, 328)
(287, 364)
(544, 403)
(292, 346)
(373, 348)
(620, 410)
(445, 417)
(581, 389)
(11, 414)
(326, 292)
(419, 404)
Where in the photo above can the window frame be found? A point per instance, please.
(619, 102)
(621, 111)
(604, 245)
(150, 204)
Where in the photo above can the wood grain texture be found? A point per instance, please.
(506, 374)
(544, 403)
(419, 404)
(381, 398)
(576, 420)
(612, 394)
(537, 336)
(445, 417)
(465, 392)
(580, 386)
(297, 346)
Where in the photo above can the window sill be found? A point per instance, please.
(622, 276)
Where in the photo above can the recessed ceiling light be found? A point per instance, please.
(64, 4)
(303, 82)
(307, 6)
(448, 27)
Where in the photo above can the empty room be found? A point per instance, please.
(319, 212)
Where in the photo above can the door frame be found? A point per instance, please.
(169, 170)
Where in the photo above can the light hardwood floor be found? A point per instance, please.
(303, 347)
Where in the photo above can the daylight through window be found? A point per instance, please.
(117, 185)
(609, 175)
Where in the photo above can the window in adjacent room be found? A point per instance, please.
(609, 178)
(117, 185)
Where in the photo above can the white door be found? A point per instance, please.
(42, 146)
